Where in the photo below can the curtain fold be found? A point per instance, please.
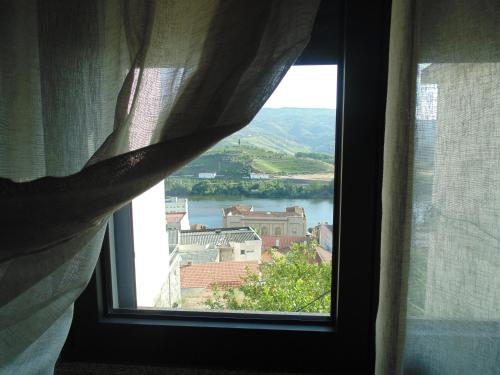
(439, 309)
(99, 101)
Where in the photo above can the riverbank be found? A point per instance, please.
(272, 188)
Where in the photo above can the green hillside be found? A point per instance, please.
(239, 161)
(288, 130)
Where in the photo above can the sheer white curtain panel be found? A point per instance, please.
(99, 101)
(439, 307)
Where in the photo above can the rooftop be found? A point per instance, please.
(198, 256)
(249, 212)
(174, 217)
(207, 275)
(281, 242)
(217, 237)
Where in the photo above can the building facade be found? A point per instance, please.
(291, 222)
(176, 204)
(157, 277)
(177, 220)
(326, 236)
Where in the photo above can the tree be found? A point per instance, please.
(292, 282)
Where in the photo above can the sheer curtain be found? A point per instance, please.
(439, 307)
(99, 101)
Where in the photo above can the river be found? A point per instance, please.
(208, 210)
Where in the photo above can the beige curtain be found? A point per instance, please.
(99, 101)
(439, 307)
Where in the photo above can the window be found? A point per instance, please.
(356, 38)
(276, 173)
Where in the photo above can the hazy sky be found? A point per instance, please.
(306, 86)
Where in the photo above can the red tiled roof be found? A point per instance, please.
(206, 275)
(174, 217)
(284, 241)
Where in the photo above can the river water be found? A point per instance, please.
(208, 210)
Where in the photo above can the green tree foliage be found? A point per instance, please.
(185, 187)
(316, 155)
(290, 283)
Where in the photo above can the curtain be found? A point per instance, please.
(439, 305)
(99, 101)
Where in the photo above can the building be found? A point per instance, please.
(177, 213)
(217, 245)
(206, 258)
(281, 242)
(177, 220)
(259, 176)
(176, 204)
(157, 276)
(198, 280)
(209, 275)
(326, 236)
(291, 222)
(207, 175)
(322, 255)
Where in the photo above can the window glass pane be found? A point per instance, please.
(247, 226)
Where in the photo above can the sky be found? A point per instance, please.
(306, 86)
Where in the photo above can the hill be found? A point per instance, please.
(239, 161)
(288, 130)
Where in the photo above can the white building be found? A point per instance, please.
(326, 236)
(156, 278)
(259, 176)
(207, 175)
(218, 245)
(177, 220)
(176, 204)
(177, 213)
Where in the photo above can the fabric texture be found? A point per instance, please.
(439, 307)
(99, 101)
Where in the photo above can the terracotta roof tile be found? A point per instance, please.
(174, 217)
(284, 241)
(206, 275)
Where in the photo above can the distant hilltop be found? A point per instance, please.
(289, 130)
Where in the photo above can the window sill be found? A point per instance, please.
(218, 324)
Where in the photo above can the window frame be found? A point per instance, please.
(346, 342)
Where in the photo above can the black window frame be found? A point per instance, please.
(353, 35)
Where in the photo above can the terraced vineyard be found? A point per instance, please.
(240, 161)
